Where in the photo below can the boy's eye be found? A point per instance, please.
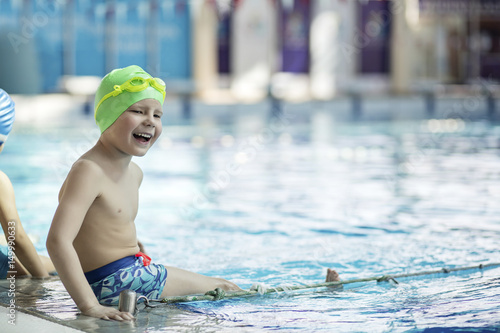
(157, 116)
(135, 111)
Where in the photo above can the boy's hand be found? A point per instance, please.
(107, 313)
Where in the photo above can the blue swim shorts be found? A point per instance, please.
(133, 272)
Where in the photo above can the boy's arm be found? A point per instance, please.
(11, 224)
(82, 187)
(139, 175)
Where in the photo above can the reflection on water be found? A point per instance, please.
(276, 203)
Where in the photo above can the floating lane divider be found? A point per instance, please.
(219, 294)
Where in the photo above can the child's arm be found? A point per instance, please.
(11, 224)
(81, 188)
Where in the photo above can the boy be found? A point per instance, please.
(26, 260)
(92, 240)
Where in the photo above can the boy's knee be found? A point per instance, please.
(227, 285)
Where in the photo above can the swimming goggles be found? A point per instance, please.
(135, 84)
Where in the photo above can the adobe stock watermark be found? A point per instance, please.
(11, 274)
(247, 151)
(31, 25)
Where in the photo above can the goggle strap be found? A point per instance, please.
(118, 89)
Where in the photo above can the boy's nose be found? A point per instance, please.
(149, 121)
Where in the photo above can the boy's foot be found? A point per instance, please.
(332, 275)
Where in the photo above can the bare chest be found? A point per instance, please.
(118, 201)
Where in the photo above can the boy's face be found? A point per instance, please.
(138, 127)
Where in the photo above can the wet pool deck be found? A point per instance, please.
(45, 306)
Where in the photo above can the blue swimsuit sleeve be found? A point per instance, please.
(4, 261)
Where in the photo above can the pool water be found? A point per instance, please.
(278, 201)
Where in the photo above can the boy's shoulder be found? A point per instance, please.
(137, 171)
(4, 182)
(135, 167)
(3, 177)
(85, 176)
(86, 168)
(86, 164)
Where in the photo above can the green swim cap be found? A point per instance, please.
(120, 89)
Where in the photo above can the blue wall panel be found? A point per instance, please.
(174, 34)
(89, 34)
(130, 32)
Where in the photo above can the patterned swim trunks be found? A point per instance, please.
(133, 272)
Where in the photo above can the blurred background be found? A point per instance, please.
(245, 51)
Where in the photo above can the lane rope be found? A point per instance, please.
(218, 293)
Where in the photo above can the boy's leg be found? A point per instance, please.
(19, 268)
(47, 263)
(181, 282)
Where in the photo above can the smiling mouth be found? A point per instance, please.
(143, 137)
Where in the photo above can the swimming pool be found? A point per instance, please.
(279, 200)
